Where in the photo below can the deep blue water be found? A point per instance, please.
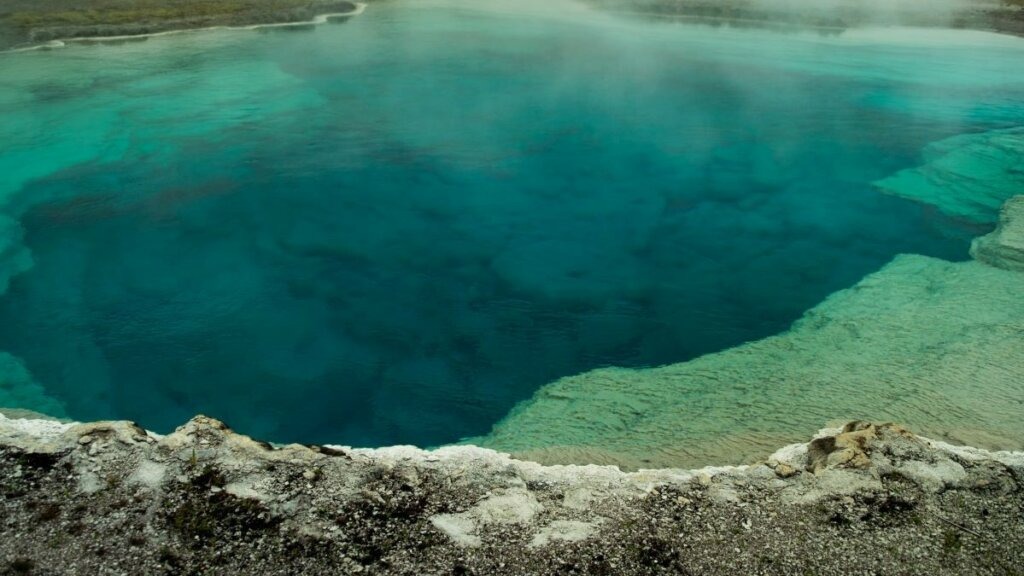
(391, 230)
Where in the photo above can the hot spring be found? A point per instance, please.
(395, 228)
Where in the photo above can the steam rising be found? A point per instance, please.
(837, 13)
(418, 218)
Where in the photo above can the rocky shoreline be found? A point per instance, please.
(112, 498)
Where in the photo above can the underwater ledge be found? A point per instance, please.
(112, 498)
(936, 345)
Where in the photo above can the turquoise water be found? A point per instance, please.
(391, 230)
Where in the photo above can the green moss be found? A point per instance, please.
(202, 514)
(168, 556)
(193, 522)
(209, 478)
(951, 542)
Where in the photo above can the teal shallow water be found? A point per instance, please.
(392, 230)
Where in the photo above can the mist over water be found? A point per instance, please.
(823, 13)
(392, 230)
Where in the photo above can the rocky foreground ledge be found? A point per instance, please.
(112, 498)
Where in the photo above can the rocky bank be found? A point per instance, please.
(112, 498)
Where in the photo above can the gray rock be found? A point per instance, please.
(880, 500)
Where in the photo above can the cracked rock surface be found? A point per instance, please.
(112, 498)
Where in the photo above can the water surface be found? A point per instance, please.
(392, 230)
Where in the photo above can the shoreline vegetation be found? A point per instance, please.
(315, 21)
(36, 23)
(26, 24)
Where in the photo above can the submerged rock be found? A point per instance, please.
(934, 344)
(1004, 248)
(18, 388)
(968, 176)
(111, 498)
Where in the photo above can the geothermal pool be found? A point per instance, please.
(396, 228)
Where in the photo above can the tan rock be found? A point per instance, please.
(127, 433)
(851, 448)
(783, 470)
